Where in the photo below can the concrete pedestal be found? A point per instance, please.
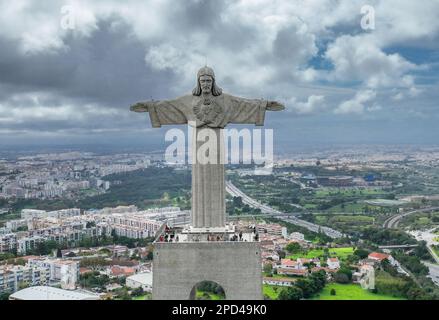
(235, 266)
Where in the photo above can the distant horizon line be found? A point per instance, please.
(161, 147)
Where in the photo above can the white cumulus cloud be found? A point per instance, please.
(358, 103)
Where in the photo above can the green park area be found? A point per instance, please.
(341, 253)
(345, 222)
(350, 292)
(352, 207)
(347, 192)
(342, 292)
(271, 291)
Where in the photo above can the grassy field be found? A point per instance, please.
(144, 297)
(349, 207)
(212, 296)
(325, 192)
(350, 292)
(344, 219)
(341, 253)
(271, 291)
(345, 223)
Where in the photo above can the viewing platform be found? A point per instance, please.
(229, 233)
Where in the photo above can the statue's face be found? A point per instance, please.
(206, 84)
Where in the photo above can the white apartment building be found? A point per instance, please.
(28, 183)
(134, 226)
(8, 242)
(28, 243)
(4, 231)
(14, 191)
(12, 277)
(65, 213)
(297, 236)
(15, 224)
(272, 229)
(333, 263)
(119, 209)
(66, 272)
(28, 214)
(32, 213)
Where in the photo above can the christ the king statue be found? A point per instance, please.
(207, 108)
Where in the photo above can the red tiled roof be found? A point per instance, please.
(378, 256)
(84, 270)
(117, 270)
(288, 262)
(292, 271)
(315, 269)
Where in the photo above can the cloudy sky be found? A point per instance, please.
(70, 69)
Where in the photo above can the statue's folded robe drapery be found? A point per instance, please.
(181, 111)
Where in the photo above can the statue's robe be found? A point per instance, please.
(181, 111)
(208, 179)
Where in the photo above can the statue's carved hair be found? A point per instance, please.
(206, 71)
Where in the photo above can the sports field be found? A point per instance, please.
(341, 253)
(350, 292)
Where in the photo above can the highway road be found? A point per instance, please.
(234, 191)
(393, 221)
(434, 271)
(430, 238)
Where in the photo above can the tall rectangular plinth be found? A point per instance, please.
(179, 267)
(208, 178)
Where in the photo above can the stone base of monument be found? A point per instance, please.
(179, 266)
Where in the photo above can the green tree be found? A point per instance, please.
(361, 253)
(5, 295)
(291, 293)
(345, 270)
(268, 268)
(123, 294)
(341, 278)
(237, 202)
(293, 248)
(137, 292)
(90, 224)
(23, 285)
(306, 286)
(281, 254)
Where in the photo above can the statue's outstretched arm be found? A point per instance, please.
(162, 112)
(141, 106)
(275, 106)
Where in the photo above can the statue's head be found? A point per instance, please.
(206, 82)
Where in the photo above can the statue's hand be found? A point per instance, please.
(139, 107)
(275, 106)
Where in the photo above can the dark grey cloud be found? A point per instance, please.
(107, 67)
